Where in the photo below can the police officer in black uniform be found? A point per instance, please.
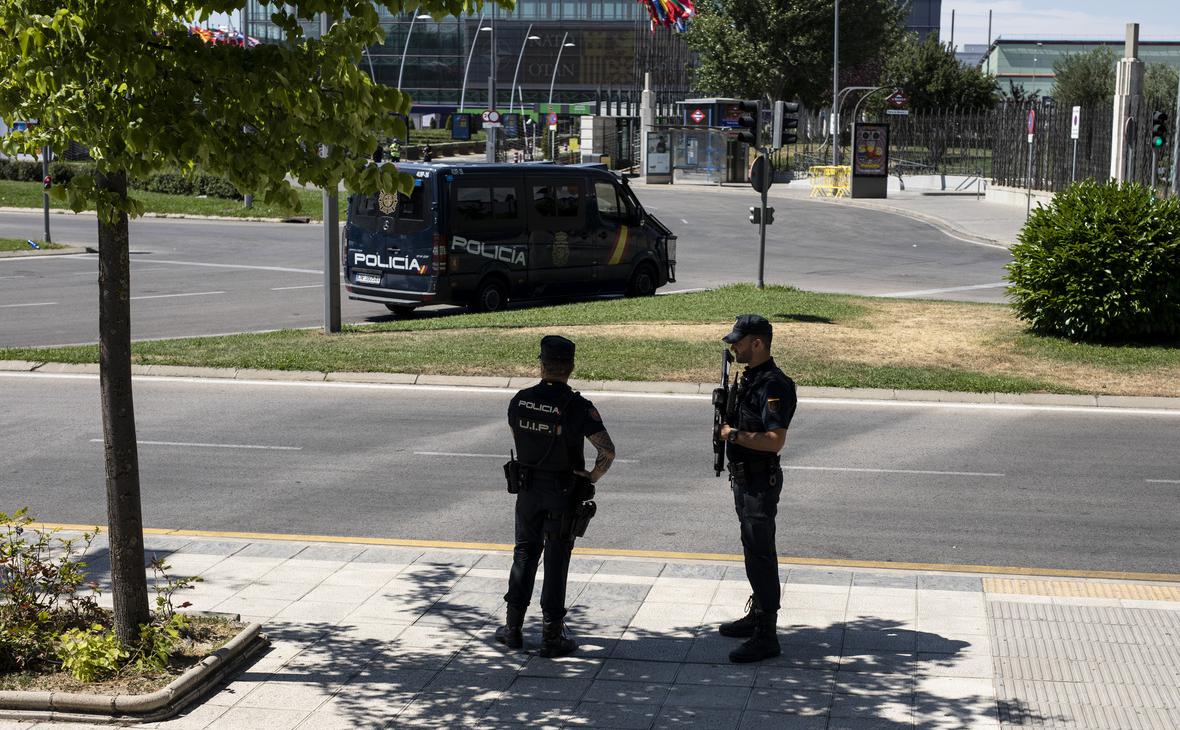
(549, 422)
(755, 431)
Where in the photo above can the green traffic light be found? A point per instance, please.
(1157, 141)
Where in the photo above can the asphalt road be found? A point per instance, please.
(1036, 487)
(194, 277)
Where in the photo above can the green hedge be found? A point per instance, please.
(173, 183)
(1101, 263)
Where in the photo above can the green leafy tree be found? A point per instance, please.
(130, 82)
(933, 78)
(1159, 86)
(782, 49)
(1085, 78)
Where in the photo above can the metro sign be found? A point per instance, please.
(697, 116)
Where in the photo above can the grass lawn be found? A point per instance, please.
(28, 195)
(820, 339)
(20, 244)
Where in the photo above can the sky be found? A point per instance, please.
(1060, 19)
(1045, 19)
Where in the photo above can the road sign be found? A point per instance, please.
(898, 112)
(761, 174)
(1032, 124)
(897, 99)
(697, 116)
(551, 119)
(1075, 122)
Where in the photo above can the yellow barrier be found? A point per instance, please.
(829, 181)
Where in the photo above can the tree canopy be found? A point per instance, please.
(782, 49)
(1085, 78)
(933, 78)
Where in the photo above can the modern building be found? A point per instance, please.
(1028, 62)
(578, 52)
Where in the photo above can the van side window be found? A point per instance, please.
(480, 206)
(557, 200)
(608, 202)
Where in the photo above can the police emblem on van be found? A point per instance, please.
(561, 248)
(387, 203)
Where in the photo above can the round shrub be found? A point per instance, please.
(1101, 263)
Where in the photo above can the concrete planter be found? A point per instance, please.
(158, 705)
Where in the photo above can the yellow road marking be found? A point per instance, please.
(672, 555)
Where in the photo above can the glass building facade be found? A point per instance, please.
(449, 61)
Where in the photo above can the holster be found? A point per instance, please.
(583, 513)
(743, 473)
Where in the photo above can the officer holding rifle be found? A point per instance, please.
(751, 426)
(553, 491)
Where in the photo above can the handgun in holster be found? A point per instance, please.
(583, 513)
(516, 474)
(738, 474)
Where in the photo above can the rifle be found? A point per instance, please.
(721, 398)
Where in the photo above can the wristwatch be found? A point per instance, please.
(731, 437)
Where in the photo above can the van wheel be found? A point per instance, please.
(400, 310)
(491, 296)
(643, 281)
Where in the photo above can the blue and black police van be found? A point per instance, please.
(481, 234)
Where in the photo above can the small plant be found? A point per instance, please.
(91, 653)
(1101, 263)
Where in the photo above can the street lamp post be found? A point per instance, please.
(552, 80)
(402, 66)
(491, 130)
(528, 36)
(474, 40)
(835, 81)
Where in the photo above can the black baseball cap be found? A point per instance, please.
(555, 348)
(749, 324)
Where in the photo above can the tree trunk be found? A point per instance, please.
(124, 516)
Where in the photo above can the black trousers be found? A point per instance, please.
(543, 515)
(756, 503)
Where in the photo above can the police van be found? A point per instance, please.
(481, 234)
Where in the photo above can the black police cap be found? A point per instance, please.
(749, 324)
(555, 348)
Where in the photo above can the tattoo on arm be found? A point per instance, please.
(606, 454)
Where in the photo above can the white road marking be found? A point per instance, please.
(860, 402)
(29, 304)
(1162, 481)
(924, 292)
(305, 286)
(211, 446)
(489, 456)
(189, 294)
(894, 471)
(18, 276)
(232, 266)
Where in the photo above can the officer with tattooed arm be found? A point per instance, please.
(755, 431)
(549, 422)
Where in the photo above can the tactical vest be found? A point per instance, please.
(538, 427)
(746, 414)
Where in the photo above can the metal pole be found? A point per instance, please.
(835, 81)
(491, 131)
(331, 238)
(45, 153)
(989, 29)
(402, 66)
(762, 233)
(1028, 179)
(552, 80)
(516, 73)
(1174, 181)
(1073, 171)
(952, 30)
(463, 93)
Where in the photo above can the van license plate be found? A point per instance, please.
(367, 279)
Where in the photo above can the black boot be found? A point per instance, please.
(510, 634)
(743, 627)
(554, 642)
(763, 644)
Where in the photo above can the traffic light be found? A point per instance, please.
(756, 214)
(748, 122)
(1159, 129)
(786, 124)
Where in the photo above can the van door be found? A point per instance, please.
(389, 238)
(561, 255)
(618, 233)
(487, 235)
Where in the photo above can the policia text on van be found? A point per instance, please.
(480, 234)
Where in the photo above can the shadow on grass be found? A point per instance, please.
(419, 652)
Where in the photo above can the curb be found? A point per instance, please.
(159, 705)
(42, 252)
(940, 223)
(1092, 400)
(190, 216)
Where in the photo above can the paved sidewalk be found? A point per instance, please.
(392, 636)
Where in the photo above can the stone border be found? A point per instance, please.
(63, 251)
(1091, 400)
(159, 705)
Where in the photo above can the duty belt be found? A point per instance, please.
(755, 467)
